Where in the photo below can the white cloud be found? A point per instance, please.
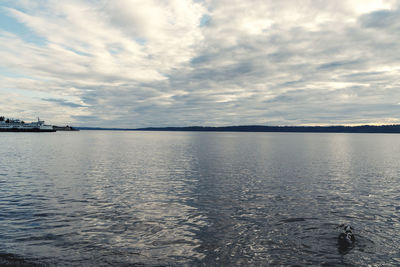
(153, 63)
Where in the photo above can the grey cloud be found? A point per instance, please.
(199, 60)
(339, 64)
(258, 62)
(380, 19)
(85, 118)
(63, 102)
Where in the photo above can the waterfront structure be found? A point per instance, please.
(15, 125)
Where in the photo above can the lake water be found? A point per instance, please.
(102, 198)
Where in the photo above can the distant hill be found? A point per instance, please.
(260, 128)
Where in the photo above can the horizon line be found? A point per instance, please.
(388, 128)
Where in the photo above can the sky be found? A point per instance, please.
(142, 63)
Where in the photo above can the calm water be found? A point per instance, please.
(94, 198)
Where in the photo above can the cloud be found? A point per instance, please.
(380, 19)
(63, 102)
(182, 62)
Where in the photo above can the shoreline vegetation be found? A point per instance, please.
(260, 128)
(18, 125)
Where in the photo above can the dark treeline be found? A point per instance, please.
(305, 129)
(7, 120)
(260, 128)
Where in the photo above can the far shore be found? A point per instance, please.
(261, 128)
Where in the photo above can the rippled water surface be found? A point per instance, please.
(99, 198)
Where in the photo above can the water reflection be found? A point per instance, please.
(99, 199)
(117, 198)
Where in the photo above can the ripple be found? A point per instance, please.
(220, 199)
(7, 259)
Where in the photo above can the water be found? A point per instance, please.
(95, 198)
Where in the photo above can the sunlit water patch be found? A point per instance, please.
(173, 198)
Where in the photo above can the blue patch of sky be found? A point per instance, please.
(9, 3)
(115, 49)
(6, 72)
(12, 74)
(204, 20)
(77, 52)
(140, 41)
(10, 24)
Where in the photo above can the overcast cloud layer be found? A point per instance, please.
(138, 63)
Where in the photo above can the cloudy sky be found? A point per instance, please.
(139, 63)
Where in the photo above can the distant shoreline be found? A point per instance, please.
(260, 128)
